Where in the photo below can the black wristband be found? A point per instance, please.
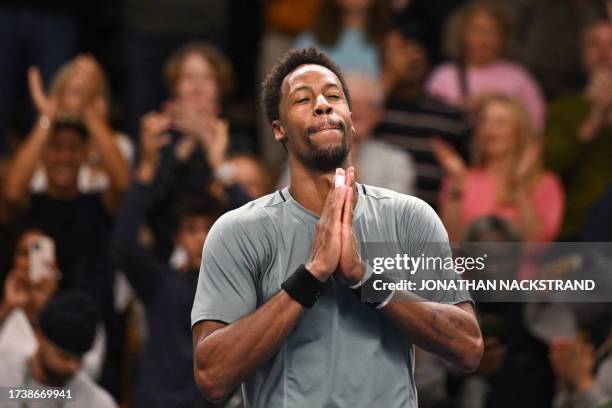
(303, 287)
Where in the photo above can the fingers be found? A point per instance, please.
(222, 127)
(87, 65)
(350, 176)
(338, 195)
(37, 89)
(335, 198)
(18, 280)
(155, 123)
(340, 178)
(153, 132)
(347, 209)
(439, 148)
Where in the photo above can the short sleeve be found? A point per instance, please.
(422, 234)
(231, 262)
(442, 84)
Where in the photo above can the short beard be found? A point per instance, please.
(324, 160)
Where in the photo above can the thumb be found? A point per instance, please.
(37, 90)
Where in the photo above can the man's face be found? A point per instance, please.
(190, 236)
(597, 48)
(58, 365)
(315, 120)
(63, 157)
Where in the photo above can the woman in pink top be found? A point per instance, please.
(505, 178)
(478, 37)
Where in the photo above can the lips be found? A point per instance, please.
(325, 126)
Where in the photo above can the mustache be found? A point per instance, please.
(327, 124)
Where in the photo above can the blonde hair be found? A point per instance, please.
(454, 36)
(65, 73)
(525, 136)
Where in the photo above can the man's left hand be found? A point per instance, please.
(349, 268)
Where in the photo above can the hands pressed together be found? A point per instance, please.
(334, 248)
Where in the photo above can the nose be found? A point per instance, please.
(322, 107)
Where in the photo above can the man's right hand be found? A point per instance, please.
(326, 246)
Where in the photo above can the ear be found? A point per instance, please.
(279, 131)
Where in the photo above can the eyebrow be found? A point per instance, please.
(307, 87)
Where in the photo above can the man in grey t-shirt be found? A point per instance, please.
(275, 309)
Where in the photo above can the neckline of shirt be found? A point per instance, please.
(356, 212)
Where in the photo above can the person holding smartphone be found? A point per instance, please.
(32, 281)
(34, 277)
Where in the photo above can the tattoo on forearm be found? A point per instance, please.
(436, 325)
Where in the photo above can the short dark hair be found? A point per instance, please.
(69, 321)
(71, 124)
(271, 87)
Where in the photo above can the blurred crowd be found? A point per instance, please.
(127, 128)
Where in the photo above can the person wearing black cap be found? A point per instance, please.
(66, 330)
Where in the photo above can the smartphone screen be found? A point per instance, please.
(42, 258)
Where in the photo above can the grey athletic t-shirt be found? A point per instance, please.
(342, 352)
